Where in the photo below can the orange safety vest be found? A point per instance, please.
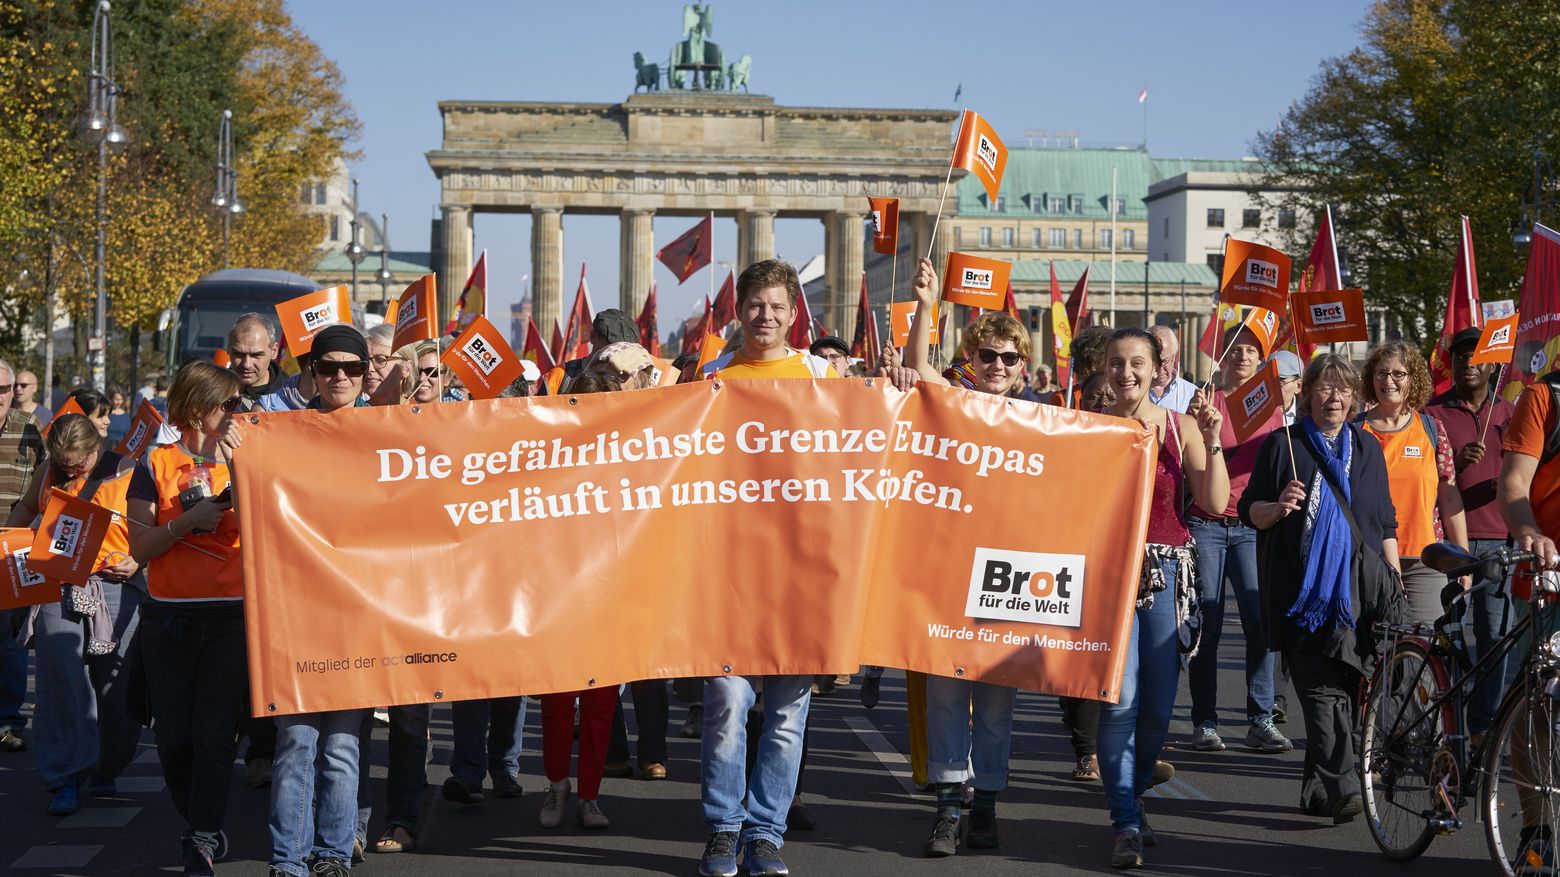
(182, 574)
(1414, 481)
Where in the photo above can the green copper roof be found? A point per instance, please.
(402, 263)
(1127, 273)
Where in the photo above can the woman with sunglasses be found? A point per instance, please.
(994, 351)
(1420, 468)
(192, 622)
(1165, 626)
(425, 374)
(82, 734)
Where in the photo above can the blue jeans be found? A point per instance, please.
(1133, 731)
(13, 672)
(488, 734)
(951, 705)
(1493, 615)
(1228, 554)
(756, 806)
(314, 782)
(81, 724)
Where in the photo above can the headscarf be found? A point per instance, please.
(1328, 547)
(339, 338)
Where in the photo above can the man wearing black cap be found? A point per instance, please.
(1475, 418)
(609, 327)
(833, 349)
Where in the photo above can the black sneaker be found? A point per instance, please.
(506, 786)
(329, 868)
(763, 860)
(720, 855)
(1347, 808)
(944, 841)
(871, 691)
(12, 741)
(197, 858)
(693, 723)
(982, 833)
(460, 793)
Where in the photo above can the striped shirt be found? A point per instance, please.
(21, 451)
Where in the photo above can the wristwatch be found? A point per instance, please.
(1214, 449)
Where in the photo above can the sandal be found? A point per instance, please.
(1087, 770)
(396, 840)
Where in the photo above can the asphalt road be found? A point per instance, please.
(1226, 813)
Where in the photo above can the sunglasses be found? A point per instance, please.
(988, 356)
(237, 403)
(329, 369)
(430, 372)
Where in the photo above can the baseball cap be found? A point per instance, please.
(828, 341)
(1288, 364)
(1467, 337)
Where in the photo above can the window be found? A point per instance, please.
(335, 227)
(1034, 238)
(1056, 204)
(1216, 262)
(319, 193)
(1121, 206)
(1128, 238)
(1077, 238)
(1251, 219)
(1286, 217)
(1167, 226)
(308, 194)
(1077, 205)
(1215, 217)
(999, 204)
(1058, 238)
(985, 236)
(1007, 237)
(1104, 238)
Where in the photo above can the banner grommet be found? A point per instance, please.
(591, 682)
(270, 707)
(574, 400)
(958, 671)
(254, 418)
(438, 695)
(725, 668)
(416, 409)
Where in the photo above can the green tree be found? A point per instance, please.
(1438, 113)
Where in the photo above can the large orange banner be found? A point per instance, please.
(534, 545)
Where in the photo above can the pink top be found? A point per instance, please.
(1166, 523)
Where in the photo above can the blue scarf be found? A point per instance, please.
(1324, 590)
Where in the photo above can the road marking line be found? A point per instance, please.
(895, 763)
(58, 856)
(140, 784)
(1189, 789)
(100, 817)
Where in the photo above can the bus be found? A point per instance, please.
(196, 326)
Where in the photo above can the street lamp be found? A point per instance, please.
(1533, 211)
(354, 250)
(226, 197)
(384, 276)
(100, 125)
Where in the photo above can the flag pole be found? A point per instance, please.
(1289, 308)
(1224, 247)
(942, 198)
(1500, 375)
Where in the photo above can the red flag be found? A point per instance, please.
(1537, 352)
(874, 341)
(693, 338)
(556, 347)
(725, 307)
(473, 297)
(801, 336)
(576, 337)
(690, 252)
(1010, 303)
(1078, 304)
(1061, 330)
(861, 341)
(885, 225)
(649, 332)
(536, 351)
(1462, 309)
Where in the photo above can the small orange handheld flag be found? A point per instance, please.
(1329, 316)
(303, 317)
(416, 314)
(482, 359)
(980, 151)
(20, 585)
(71, 406)
(979, 283)
(1263, 323)
(1254, 275)
(1254, 402)
(1498, 341)
(142, 432)
(901, 315)
(70, 538)
(885, 225)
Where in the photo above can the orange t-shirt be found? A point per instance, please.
(1413, 480)
(1525, 435)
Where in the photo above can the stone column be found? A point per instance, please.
(456, 228)
(637, 259)
(920, 232)
(849, 236)
(831, 260)
(756, 233)
(546, 267)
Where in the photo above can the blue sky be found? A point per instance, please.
(1216, 72)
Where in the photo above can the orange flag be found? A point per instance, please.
(417, 313)
(142, 432)
(303, 317)
(71, 406)
(1254, 402)
(1498, 341)
(69, 540)
(19, 584)
(221, 358)
(711, 347)
(1263, 323)
(482, 359)
(1061, 330)
(971, 280)
(901, 315)
(392, 311)
(473, 297)
(1254, 275)
(1331, 315)
(980, 151)
(885, 225)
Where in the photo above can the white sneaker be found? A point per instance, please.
(589, 815)
(553, 804)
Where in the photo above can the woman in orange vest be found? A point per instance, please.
(192, 624)
(82, 731)
(1420, 470)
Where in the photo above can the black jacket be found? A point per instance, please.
(277, 377)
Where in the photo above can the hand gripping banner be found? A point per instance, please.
(471, 550)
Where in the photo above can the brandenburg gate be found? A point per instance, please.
(686, 153)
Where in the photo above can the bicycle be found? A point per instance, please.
(1416, 767)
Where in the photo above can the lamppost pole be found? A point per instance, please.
(101, 124)
(226, 197)
(384, 276)
(354, 249)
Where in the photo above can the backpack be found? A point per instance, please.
(1552, 441)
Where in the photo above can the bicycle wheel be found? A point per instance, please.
(1521, 771)
(1400, 776)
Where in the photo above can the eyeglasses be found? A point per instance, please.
(237, 403)
(1330, 391)
(384, 359)
(988, 356)
(1386, 375)
(21, 386)
(329, 369)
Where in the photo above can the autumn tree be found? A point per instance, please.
(1438, 113)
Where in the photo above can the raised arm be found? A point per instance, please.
(917, 349)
